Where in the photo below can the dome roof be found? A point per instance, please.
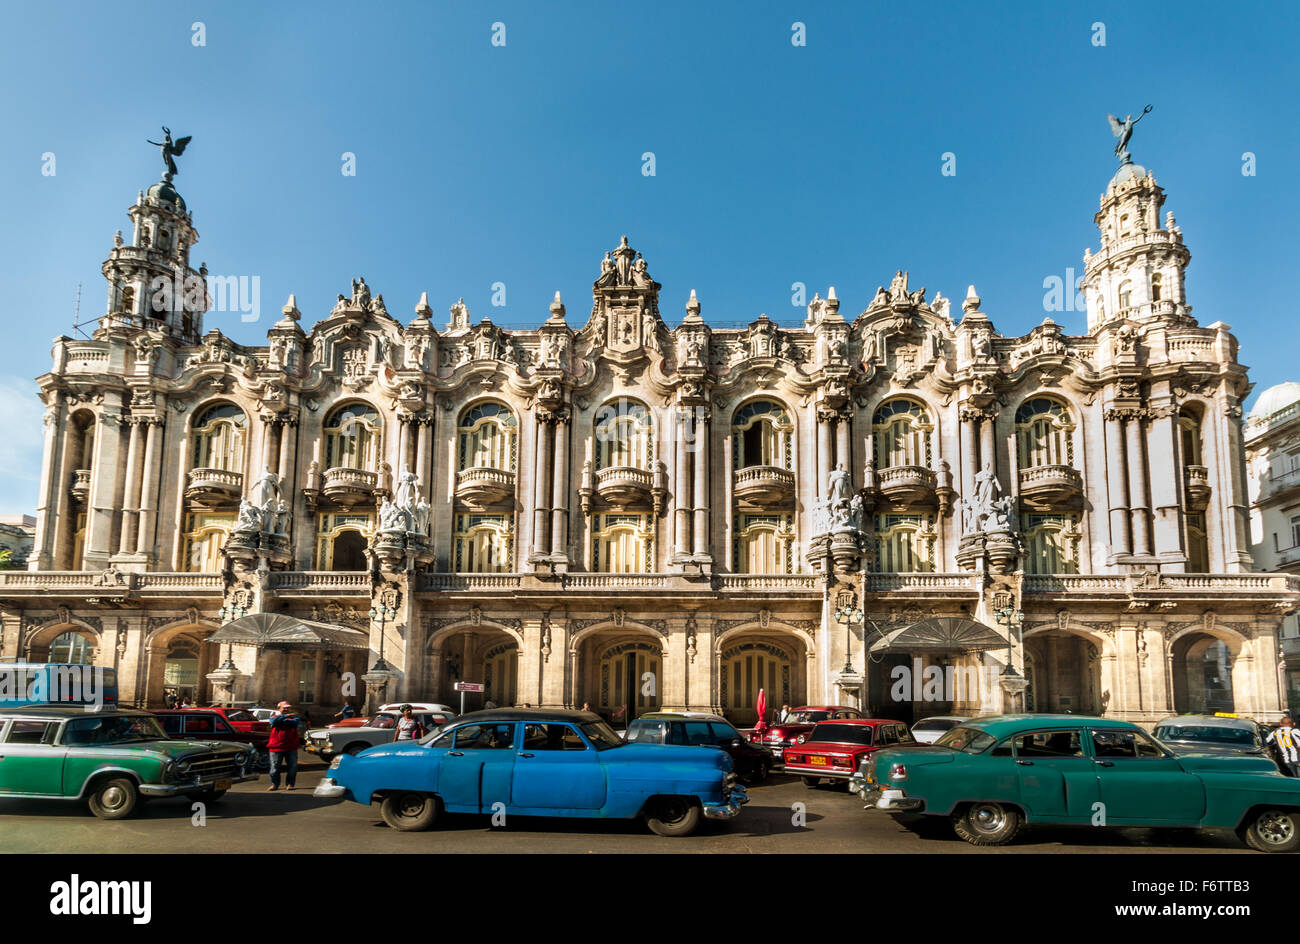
(1275, 398)
(1127, 171)
(164, 191)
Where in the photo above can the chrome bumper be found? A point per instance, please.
(730, 807)
(328, 789)
(841, 773)
(896, 801)
(180, 789)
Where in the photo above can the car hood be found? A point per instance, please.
(1209, 761)
(1209, 747)
(831, 747)
(638, 753)
(914, 755)
(175, 749)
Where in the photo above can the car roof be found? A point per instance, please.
(1002, 725)
(530, 714)
(870, 722)
(942, 718)
(1209, 721)
(681, 716)
(826, 708)
(59, 712)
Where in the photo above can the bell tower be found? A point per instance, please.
(1138, 273)
(151, 284)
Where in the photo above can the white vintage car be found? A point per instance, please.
(381, 729)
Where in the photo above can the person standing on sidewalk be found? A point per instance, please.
(1287, 741)
(283, 747)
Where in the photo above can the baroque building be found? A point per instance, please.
(898, 508)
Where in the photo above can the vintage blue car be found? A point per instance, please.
(535, 762)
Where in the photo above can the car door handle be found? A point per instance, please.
(525, 754)
(1103, 763)
(1025, 763)
(455, 753)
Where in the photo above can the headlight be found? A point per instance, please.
(336, 761)
(182, 767)
(898, 772)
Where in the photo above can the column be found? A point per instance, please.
(288, 453)
(52, 503)
(131, 503)
(149, 489)
(1137, 486)
(541, 480)
(1166, 484)
(729, 508)
(1120, 535)
(423, 442)
(405, 424)
(969, 460)
(270, 455)
(681, 485)
(824, 419)
(560, 491)
(702, 445)
(843, 443)
(988, 446)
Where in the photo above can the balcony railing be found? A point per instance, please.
(470, 581)
(349, 486)
(111, 583)
(624, 485)
(348, 581)
(949, 582)
(1051, 485)
(617, 581)
(764, 484)
(80, 485)
(756, 582)
(907, 484)
(1197, 480)
(482, 485)
(214, 485)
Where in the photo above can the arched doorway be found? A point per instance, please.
(65, 642)
(1064, 674)
(501, 673)
(1202, 674)
(618, 673)
(478, 653)
(73, 648)
(748, 666)
(935, 665)
(349, 551)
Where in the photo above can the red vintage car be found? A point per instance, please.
(240, 719)
(800, 721)
(834, 749)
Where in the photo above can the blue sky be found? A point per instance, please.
(522, 163)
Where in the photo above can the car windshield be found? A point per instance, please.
(601, 735)
(967, 740)
(935, 725)
(117, 729)
(1205, 732)
(842, 733)
(649, 732)
(807, 717)
(239, 715)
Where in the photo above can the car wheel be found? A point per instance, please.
(987, 824)
(355, 749)
(114, 798)
(1273, 831)
(811, 782)
(409, 812)
(757, 773)
(206, 796)
(674, 816)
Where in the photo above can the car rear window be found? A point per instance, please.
(841, 733)
(1199, 732)
(239, 715)
(965, 739)
(648, 732)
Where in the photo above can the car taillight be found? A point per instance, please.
(794, 758)
(841, 762)
(898, 772)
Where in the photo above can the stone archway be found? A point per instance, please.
(1065, 671)
(179, 659)
(772, 656)
(37, 645)
(1202, 673)
(480, 651)
(618, 670)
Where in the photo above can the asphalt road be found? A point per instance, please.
(251, 820)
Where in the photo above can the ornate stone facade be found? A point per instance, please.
(628, 514)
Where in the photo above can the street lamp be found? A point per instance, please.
(229, 614)
(380, 673)
(1012, 682)
(848, 612)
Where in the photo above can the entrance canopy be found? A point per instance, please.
(280, 631)
(941, 634)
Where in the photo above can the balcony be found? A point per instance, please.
(214, 486)
(1197, 480)
(349, 487)
(1051, 487)
(80, 486)
(481, 486)
(764, 485)
(907, 484)
(624, 486)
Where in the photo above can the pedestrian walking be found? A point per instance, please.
(408, 726)
(783, 715)
(1287, 741)
(283, 747)
(347, 712)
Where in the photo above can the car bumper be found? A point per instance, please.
(807, 770)
(180, 789)
(890, 799)
(730, 808)
(318, 747)
(330, 790)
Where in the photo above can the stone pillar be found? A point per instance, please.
(1137, 487)
(729, 506)
(104, 485)
(1151, 653)
(131, 503)
(844, 442)
(673, 694)
(52, 501)
(1166, 481)
(969, 460)
(553, 662)
(702, 482)
(824, 419)
(1117, 495)
(541, 482)
(423, 446)
(150, 487)
(270, 453)
(682, 486)
(288, 456)
(530, 661)
(988, 446)
(699, 664)
(560, 492)
(1229, 491)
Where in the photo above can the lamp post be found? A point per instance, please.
(1012, 682)
(226, 674)
(847, 612)
(380, 673)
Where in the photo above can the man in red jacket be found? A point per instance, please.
(283, 746)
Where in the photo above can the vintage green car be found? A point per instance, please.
(991, 776)
(111, 758)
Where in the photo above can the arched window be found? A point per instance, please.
(484, 544)
(72, 648)
(763, 544)
(487, 438)
(902, 432)
(205, 536)
(904, 544)
(1157, 287)
(622, 544)
(1198, 545)
(1189, 431)
(218, 436)
(1125, 294)
(353, 437)
(342, 540)
(761, 431)
(624, 436)
(1044, 434)
(128, 300)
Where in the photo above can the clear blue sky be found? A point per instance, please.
(522, 164)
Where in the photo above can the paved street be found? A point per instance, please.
(250, 820)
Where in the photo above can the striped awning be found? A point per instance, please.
(941, 634)
(281, 631)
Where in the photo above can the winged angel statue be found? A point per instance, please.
(171, 150)
(1121, 129)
